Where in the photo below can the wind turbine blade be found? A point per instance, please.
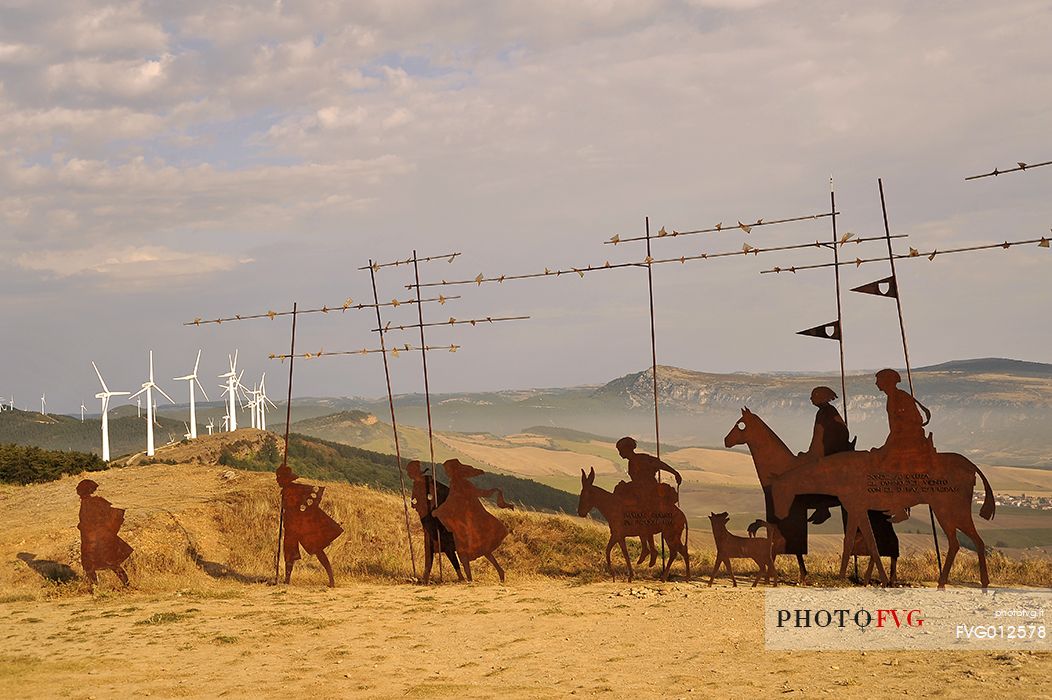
(137, 393)
(151, 366)
(197, 363)
(163, 394)
(199, 386)
(99, 375)
(118, 393)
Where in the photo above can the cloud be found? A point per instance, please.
(137, 265)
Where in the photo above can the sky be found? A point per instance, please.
(162, 161)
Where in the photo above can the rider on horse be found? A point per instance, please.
(907, 445)
(830, 436)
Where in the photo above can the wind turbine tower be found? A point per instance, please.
(43, 405)
(81, 411)
(232, 384)
(192, 379)
(105, 395)
(263, 401)
(151, 407)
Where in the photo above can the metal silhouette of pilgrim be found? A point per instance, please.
(905, 472)
(642, 508)
(476, 532)
(306, 524)
(436, 536)
(100, 545)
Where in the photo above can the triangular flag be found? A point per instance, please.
(662, 233)
(616, 239)
(830, 331)
(881, 288)
(479, 279)
(1043, 243)
(744, 227)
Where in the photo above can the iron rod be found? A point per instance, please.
(427, 401)
(716, 229)
(394, 422)
(285, 455)
(995, 172)
(905, 347)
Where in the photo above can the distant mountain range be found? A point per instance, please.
(995, 410)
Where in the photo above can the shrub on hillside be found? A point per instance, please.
(20, 464)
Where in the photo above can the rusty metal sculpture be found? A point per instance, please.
(100, 545)
(305, 523)
(436, 535)
(476, 532)
(772, 458)
(730, 546)
(903, 473)
(641, 513)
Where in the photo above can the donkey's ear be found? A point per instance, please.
(591, 474)
(746, 410)
(743, 410)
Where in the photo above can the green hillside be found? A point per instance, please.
(312, 457)
(56, 432)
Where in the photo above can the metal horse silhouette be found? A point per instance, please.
(306, 524)
(436, 535)
(771, 458)
(476, 532)
(100, 545)
(884, 480)
(637, 517)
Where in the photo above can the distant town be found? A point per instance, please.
(1021, 501)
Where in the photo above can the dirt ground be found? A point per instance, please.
(536, 639)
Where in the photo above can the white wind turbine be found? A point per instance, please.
(226, 422)
(43, 405)
(191, 379)
(263, 401)
(105, 395)
(187, 435)
(151, 407)
(211, 425)
(233, 382)
(82, 409)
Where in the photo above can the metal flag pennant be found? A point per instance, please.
(829, 331)
(882, 288)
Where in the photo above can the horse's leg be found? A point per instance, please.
(803, 569)
(949, 526)
(467, 569)
(628, 560)
(653, 552)
(869, 572)
(894, 561)
(968, 527)
(609, 565)
(759, 573)
(871, 542)
(500, 571)
(727, 561)
(849, 542)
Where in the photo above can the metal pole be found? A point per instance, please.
(905, 349)
(653, 367)
(839, 319)
(394, 423)
(285, 455)
(427, 400)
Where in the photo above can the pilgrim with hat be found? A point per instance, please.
(306, 524)
(475, 530)
(100, 545)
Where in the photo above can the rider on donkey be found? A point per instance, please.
(644, 493)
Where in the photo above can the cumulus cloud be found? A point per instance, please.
(139, 265)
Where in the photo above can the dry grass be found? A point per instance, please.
(207, 532)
